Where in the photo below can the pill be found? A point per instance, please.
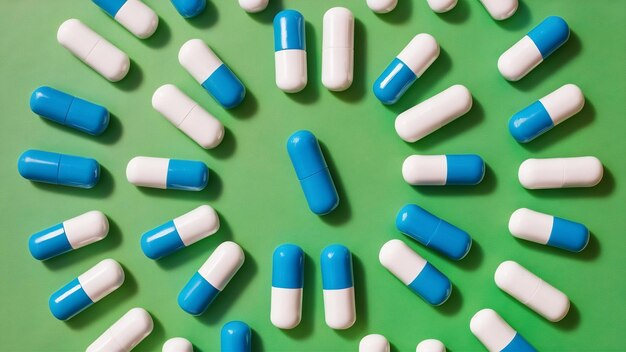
(441, 6)
(69, 235)
(69, 110)
(405, 68)
(95, 51)
(433, 113)
(433, 232)
(236, 337)
(188, 116)
(211, 278)
(177, 344)
(533, 48)
(440, 170)
(532, 291)
(212, 74)
(253, 6)
(496, 334)
(338, 286)
(338, 49)
(290, 51)
(287, 284)
(58, 169)
(430, 345)
(374, 343)
(312, 171)
(500, 9)
(415, 272)
(181, 232)
(87, 289)
(163, 173)
(546, 113)
(134, 15)
(550, 230)
(382, 6)
(124, 334)
(189, 8)
(584, 171)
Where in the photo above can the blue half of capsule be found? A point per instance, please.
(336, 261)
(161, 241)
(288, 266)
(225, 87)
(549, 35)
(530, 122)
(568, 235)
(393, 82)
(189, 8)
(69, 300)
(518, 344)
(433, 286)
(58, 169)
(289, 31)
(236, 336)
(464, 169)
(49, 243)
(188, 175)
(197, 295)
(110, 6)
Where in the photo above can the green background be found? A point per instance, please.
(255, 191)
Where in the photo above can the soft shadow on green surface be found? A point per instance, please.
(602, 189)
(133, 78)
(256, 341)
(227, 147)
(343, 212)
(207, 18)
(155, 340)
(310, 94)
(520, 20)
(485, 187)
(453, 305)
(356, 92)
(310, 290)
(359, 329)
(571, 320)
(247, 108)
(161, 37)
(590, 253)
(459, 14)
(400, 14)
(111, 135)
(267, 15)
(102, 189)
(473, 259)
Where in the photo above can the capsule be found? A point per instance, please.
(181, 232)
(550, 230)
(290, 51)
(382, 6)
(415, 272)
(58, 169)
(493, 332)
(212, 74)
(408, 66)
(287, 284)
(433, 232)
(211, 278)
(189, 8)
(584, 171)
(177, 344)
(535, 47)
(338, 49)
(312, 171)
(253, 6)
(69, 235)
(338, 286)
(434, 113)
(87, 289)
(69, 110)
(134, 15)
(430, 345)
(124, 334)
(163, 173)
(546, 113)
(374, 343)
(442, 170)
(500, 9)
(441, 6)
(236, 337)
(95, 51)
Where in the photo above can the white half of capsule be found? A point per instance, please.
(253, 6)
(491, 330)
(430, 345)
(420, 53)
(519, 59)
(222, 265)
(531, 225)
(382, 6)
(86, 228)
(197, 224)
(286, 307)
(198, 59)
(401, 261)
(425, 170)
(124, 334)
(138, 18)
(291, 74)
(147, 171)
(102, 279)
(532, 291)
(374, 343)
(563, 103)
(433, 113)
(441, 6)
(339, 308)
(338, 49)
(188, 116)
(500, 9)
(585, 171)
(177, 344)
(93, 50)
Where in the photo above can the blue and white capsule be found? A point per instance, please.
(212, 74)
(433, 232)
(290, 51)
(163, 173)
(69, 235)
(87, 289)
(189, 8)
(236, 336)
(405, 68)
(533, 48)
(443, 170)
(338, 285)
(287, 284)
(58, 169)
(496, 334)
(548, 230)
(211, 278)
(134, 15)
(181, 232)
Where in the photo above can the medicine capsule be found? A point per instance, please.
(433, 232)
(433, 113)
(374, 343)
(500, 9)
(584, 171)
(312, 171)
(177, 344)
(408, 66)
(95, 51)
(134, 15)
(338, 49)
(188, 116)
(441, 6)
(535, 47)
(546, 229)
(189, 8)
(58, 169)
(493, 332)
(69, 235)
(163, 173)
(124, 334)
(440, 170)
(87, 289)
(430, 345)
(382, 6)
(181, 232)
(546, 113)
(415, 272)
(290, 51)
(212, 74)
(287, 284)
(253, 6)
(338, 286)
(69, 110)
(236, 337)
(211, 278)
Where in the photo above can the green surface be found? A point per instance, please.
(255, 191)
